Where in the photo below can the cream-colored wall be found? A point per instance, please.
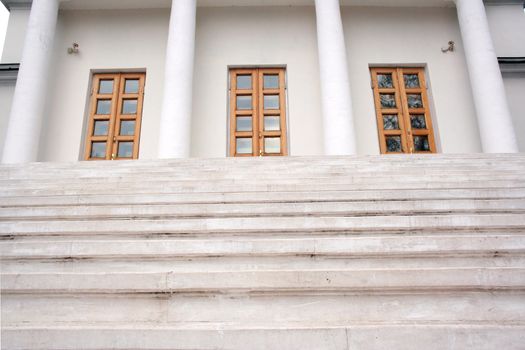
(252, 36)
(12, 52)
(242, 36)
(15, 35)
(112, 39)
(515, 87)
(109, 40)
(6, 96)
(411, 37)
(507, 25)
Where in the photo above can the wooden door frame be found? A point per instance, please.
(406, 131)
(118, 96)
(285, 133)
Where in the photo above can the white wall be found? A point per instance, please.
(15, 35)
(237, 36)
(411, 37)
(12, 52)
(109, 40)
(515, 87)
(256, 36)
(6, 96)
(135, 39)
(507, 25)
(4, 18)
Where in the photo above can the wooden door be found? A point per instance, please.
(258, 112)
(115, 116)
(402, 108)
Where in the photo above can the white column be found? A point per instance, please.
(175, 121)
(494, 119)
(339, 134)
(27, 110)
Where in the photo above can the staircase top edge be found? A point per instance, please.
(320, 159)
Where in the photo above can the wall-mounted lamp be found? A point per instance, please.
(73, 50)
(524, 6)
(451, 47)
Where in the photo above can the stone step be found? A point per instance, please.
(263, 310)
(285, 166)
(283, 253)
(360, 281)
(258, 174)
(264, 172)
(371, 336)
(372, 159)
(228, 169)
(270, 177)
(195, 181)
(266, 226)
(388, 246)
(393, 158)
(269, 186)
(361, 208)
(71, 265)
(263, 197)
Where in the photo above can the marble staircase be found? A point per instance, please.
(397, 252)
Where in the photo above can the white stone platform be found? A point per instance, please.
(392, 252)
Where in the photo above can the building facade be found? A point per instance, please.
(124, 79)
(311, 252)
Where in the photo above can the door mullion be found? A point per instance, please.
(119, 90)
(114, 111)
(258, 141)
(405, 115)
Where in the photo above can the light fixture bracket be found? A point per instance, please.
(74, 49)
